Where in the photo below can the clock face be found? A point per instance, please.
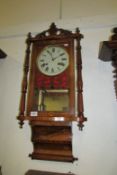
(53, 60)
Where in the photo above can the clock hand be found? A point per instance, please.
(54, 58)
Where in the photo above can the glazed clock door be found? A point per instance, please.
(52, 62)
(52, 81)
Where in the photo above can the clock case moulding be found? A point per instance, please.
(52, 130)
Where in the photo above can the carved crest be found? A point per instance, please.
(54, 32)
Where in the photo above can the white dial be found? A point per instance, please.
(53, 60)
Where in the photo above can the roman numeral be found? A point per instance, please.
(41, 60)
(49, 52)
(46, 69)
(52, 70)
(61, 64)
(64, 59)
(62, 54)
(53, 49)
(44, 64)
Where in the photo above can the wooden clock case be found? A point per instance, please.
(51, 129)
(108, 52)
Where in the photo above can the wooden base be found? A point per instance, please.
(52, 142)
(51, 157)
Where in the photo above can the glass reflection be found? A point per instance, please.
(53, 100)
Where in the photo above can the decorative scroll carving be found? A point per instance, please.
(53, 31)
(114, 63)
(114, 58)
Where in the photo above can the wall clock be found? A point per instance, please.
(108, 52)
(51, 96)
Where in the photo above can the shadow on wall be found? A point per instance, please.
(2, 54)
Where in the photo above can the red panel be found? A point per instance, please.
(56, 82)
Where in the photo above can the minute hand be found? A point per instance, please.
(59, 56)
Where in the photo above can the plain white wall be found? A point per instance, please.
(96, 145)
(15, 12)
